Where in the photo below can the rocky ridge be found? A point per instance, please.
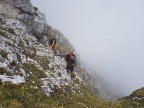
(24, 49)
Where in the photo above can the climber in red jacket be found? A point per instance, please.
(70, 62)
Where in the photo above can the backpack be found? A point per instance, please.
(70, 59)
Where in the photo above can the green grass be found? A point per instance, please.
(2, 33)
(135, 100)
(36, 74)
(35, 71)
(4, 54)
(83, 99)
(27, 53)
(25, 96)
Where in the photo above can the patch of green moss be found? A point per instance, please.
(2, 71)
(139, 92)
(26, 96)
(23, 96)
(9, 73)
(35, 71)
(4, 54)
(37, 81)
(135, 100)
(13, 63)
(43, 61)
(83, 98)
(2, 33)
(10, 30)
(29, 52)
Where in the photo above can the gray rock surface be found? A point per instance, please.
(24, 5)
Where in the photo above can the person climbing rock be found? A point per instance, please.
(70, 62)
(52, 43)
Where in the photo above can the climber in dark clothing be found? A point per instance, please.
(71, 63)
(52, 42)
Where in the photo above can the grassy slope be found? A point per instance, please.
(26, 96)
(135, 100)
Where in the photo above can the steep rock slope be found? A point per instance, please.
(24, 49)
(24, 36)
(26, 59)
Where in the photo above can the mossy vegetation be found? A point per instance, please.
(4, 54)
(27, 96)
(35, 71)
(29, 52)
(43, 61)
(135, 100)
(5, 71)
(10, 30)
(2, 70)
(35, 74)
(83, 98)
(2, 33)
(23, 96)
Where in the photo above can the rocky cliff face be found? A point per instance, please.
(25, 56)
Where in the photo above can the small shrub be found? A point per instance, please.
(4, 54)
(28, 53)
(2, 71)
(10, 30)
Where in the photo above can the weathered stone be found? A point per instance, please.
(24, 5)
(8, 10)
(2, 59)
(35, 24)
(27, 19)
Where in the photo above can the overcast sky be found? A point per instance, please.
(107, 34)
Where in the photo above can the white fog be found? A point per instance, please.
(107, 34)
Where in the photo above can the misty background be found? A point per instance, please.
(107, 34)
